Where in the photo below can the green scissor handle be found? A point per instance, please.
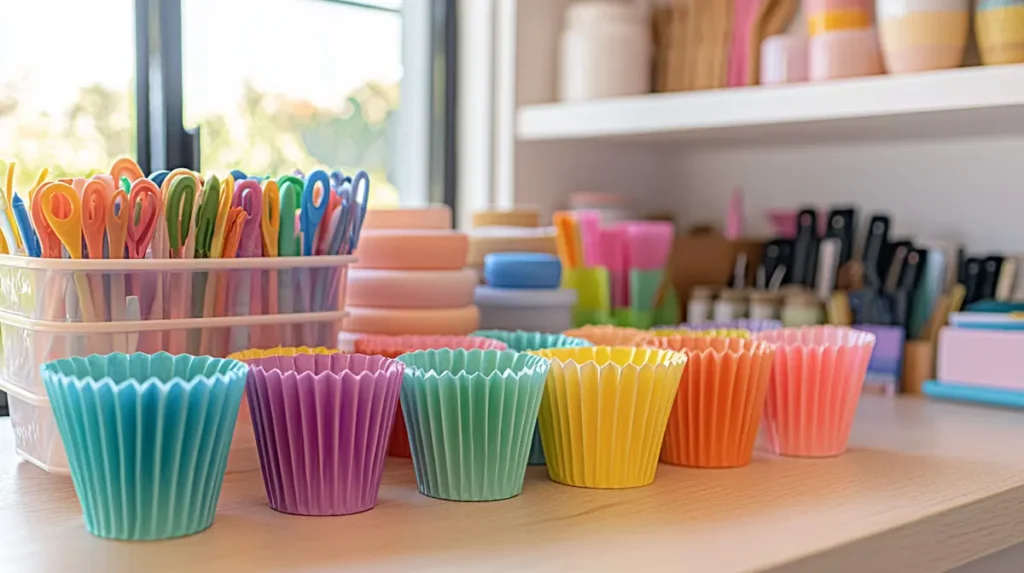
(181, 197)
(206, 217)
(290, 188)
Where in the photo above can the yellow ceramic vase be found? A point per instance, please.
(603, 415)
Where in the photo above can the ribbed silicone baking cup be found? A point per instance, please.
(752, 325)
(395, 346)
(322, 424)
(522, 341)
(713, 332)
(147, 438)
(718, 408)
(255, 353)
(816, 381)
(471, 415)
(604, 412)
(606, 335)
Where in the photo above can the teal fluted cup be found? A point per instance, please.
(523, 341)
(147, 438)
(471, 415)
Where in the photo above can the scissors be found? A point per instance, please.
(95, 198)
(270, 223)
(362, 202)
(249, 195)
(239, 175)
(206, 217)
(144, 211)
(178, 204)
(6, 225)
(126, 167)
(49, 242)
(312, 214)
(159, 176)
(28, 234)
(290, 190)
(66, 223)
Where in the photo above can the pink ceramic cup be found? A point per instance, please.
(816, 381)
(783, 60)
(844, 54)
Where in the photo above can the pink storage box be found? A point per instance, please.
(975, 357)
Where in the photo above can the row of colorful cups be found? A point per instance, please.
(322, 420)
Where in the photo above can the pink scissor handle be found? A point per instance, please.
(142, 225)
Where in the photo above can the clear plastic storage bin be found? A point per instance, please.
(100, 290)
(27, 344)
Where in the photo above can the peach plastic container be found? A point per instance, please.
(718, 407)
(817, 376)
(380, 288)
(395, 346)
(783, 60)
(433, 217)
(844, 54)
(412, 249)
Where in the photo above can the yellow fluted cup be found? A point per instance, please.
(256, 353)
(604, 411)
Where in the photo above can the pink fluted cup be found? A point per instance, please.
(816, 381)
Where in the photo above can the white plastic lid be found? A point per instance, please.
(522, 297)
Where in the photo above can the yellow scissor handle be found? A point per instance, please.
(271, 220)
(68, 229)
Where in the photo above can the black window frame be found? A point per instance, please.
(165, 142)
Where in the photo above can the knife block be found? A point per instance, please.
(708, 259)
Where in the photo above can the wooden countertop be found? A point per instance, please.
(926, 486)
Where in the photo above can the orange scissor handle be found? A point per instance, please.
(94, 216)
(117, 223)
(67, 225)
(270, 222)
(126, 167)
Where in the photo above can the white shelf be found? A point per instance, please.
(952, 103)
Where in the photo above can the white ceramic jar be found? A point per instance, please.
(605, 51)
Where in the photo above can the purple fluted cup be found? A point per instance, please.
(322, 425)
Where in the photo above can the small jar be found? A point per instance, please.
(764, 305)
(698, 308)
(730, 305)
(802, 309)
(605, 51)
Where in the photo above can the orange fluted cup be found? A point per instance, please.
(816, 381)
(395, 346)
(718, 406)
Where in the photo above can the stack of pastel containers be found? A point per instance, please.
(411, 276)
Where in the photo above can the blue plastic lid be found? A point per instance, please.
(522, 270)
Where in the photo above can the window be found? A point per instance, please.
(67, 108)
(303, 83)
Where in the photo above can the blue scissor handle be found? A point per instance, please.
(312, 214)
(238, 175)
(158, 177)
(360, 203)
